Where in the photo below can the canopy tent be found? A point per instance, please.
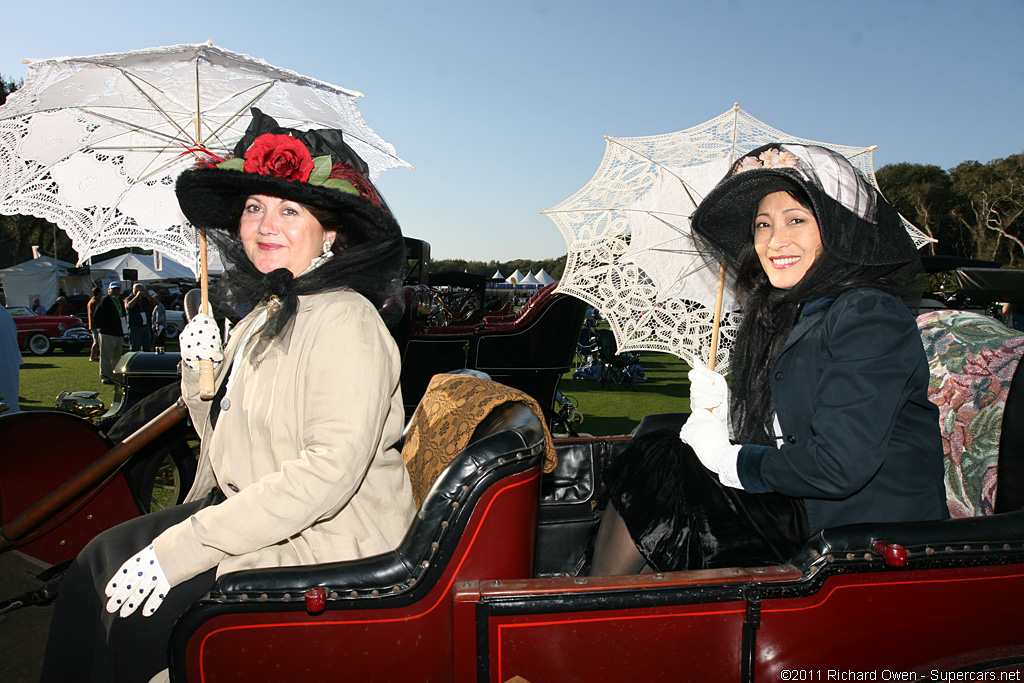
(146, 268)
(515, 277)
(543, 277)
(497, 275)
(43, 278)
(529, 280)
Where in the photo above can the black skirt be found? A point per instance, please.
(681, 516)
(86, 643)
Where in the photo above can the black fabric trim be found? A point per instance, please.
(748, 467)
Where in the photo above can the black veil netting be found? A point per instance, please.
(372, 264)
(865, 244)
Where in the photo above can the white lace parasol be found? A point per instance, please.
(628, 234)
(94, 144)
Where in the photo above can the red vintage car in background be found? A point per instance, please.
(40, 334)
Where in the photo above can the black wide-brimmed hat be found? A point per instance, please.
(857, 224)
(315, 167)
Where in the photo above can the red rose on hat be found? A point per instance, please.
(281, 156)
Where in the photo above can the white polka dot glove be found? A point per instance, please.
(708, 391)
(709, 439)
(200, 340)
(137, 578)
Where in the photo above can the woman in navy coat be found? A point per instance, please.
(825, 420)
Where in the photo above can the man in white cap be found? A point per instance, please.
(109, 320)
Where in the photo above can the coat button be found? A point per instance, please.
(778, 376)
(233, 488)
(791, 439)
(225, 403)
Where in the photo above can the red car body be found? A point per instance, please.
(475, 591)
(39, 334)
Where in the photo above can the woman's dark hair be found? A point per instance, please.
(332, 222)
(769, 315)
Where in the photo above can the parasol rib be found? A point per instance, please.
(686, 186)
(240, 111)
(156, 106)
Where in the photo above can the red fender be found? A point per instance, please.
(42, 450)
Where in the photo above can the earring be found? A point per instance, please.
(325, 255)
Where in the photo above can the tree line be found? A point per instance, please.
(973, 210)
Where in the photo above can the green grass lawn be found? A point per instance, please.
(614, 409)
(43, 377)
(617, 409)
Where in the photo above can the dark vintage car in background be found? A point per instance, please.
(40, 334)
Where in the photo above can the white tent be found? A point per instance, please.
(529, 280)
(543, 277)
(42, 278)
(144, 264)
(515, 277)
(497, 275)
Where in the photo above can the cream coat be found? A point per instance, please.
(306, 453)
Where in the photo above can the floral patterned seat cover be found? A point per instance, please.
(972, 359)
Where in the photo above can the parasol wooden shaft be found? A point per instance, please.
(207, 390)
(718, 315)
(95, 472)
(206, 386)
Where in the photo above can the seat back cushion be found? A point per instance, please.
(972, 359)
(446, 421)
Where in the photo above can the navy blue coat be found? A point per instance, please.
(860, 439)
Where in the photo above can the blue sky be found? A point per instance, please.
(502, 106)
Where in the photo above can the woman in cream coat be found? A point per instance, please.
(299, 461)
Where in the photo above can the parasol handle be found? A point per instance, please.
(718, 315)
(207, 390)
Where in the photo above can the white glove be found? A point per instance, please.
(137, 578)
(709, 439)
(200, 340)
(708, 391)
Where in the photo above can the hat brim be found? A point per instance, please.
(208, 196)
(726, 216)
